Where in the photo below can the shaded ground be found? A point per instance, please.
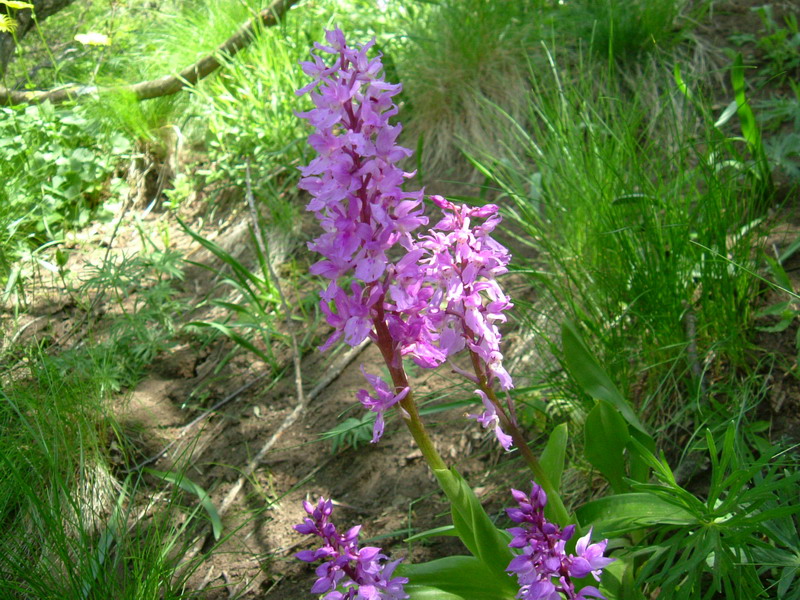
(387, 487)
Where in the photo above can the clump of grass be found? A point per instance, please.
(460, 55)
(73, 528)
(634, 224)
(624, 29)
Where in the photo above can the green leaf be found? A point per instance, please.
(583, 367)
(726, 115)
(459, 577)
(243, 274)
(747, 118)
(682, 87)
(790, 250)
(621, 513)
(781, 325)
(445, 530)
(190, 486)
(486, 543)
(779, 273)
(605, 437)
(619, 582)
(235, 337)
(552, 457)
(775, 309)
(421, 592)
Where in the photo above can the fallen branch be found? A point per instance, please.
(168, 84)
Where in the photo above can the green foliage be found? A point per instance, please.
(459, 55)
(248, 110)
(780, 117)
(143, 289)
(351, 433)
(720, 553)
(252, 321)
(55, 167)
(455, 578)
(485, 542)
(72, 529)
(624, 29)
(779, 43)
(635, 228)
(190, 486)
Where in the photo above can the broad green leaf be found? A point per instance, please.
(463, 576)
(605, 438)
(618, 581)
(621, 513)
(639, 469)
(190, 486)
(486, 543)
(583, 367)
(552, 457)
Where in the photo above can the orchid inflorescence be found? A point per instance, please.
(439, 296)
(363, 573)
(423, 296)
(544, 570)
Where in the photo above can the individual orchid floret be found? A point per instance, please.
(544, 570)
(383, 400)
(348, 572)
(488, 418)
(589, 558)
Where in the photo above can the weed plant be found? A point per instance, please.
(633, 223)
(56, 168)
(247, 110)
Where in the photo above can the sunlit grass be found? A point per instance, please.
(629, 221)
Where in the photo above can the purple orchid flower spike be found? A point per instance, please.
(544, 570)
(355, 183)
(348, 572)
(439, 295)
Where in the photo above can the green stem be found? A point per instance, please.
(555, 508)
(400, 381)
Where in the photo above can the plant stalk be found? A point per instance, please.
(400, 381)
